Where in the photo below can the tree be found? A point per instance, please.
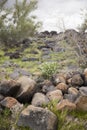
(83, 26)
(17, 23)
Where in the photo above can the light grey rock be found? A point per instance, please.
(37, 118)
(39, 99)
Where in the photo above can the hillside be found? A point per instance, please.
(68, 50)
(43, 82)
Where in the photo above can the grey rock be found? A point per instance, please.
(9, 88)
(39, 99)
(81, 103)
(77, 80)
(37, 119)
(70, 97)
(83, 90)
(27, 89)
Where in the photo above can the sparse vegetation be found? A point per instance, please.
(17, 23)
(66, 119)
(48, 69)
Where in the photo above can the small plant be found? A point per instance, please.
(48, 69)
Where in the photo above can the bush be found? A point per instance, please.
(16, 23)
(48, 69)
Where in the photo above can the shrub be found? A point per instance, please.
(48, 69)
(17, 23)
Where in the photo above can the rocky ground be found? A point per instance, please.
(30, 101)
(68, 50)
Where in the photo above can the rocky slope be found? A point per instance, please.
(68, 50)
(36, 102)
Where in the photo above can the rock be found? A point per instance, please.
(53, 33)
(85, 77)
(37, 119)
(73, 91)
(14, 75)
(12, 104)
(81, 103)
(39, 99)
(27, 89)
(15, 55)
(30, 59)
(9, 88)
(70, 97)
(62, 86)
(85, 72)
(47, 86)
(58, 79)
(77, 80)
(55, 95)
(65, 104)
(83, 90)
(1, 97)
(9, 102)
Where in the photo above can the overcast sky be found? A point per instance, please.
(59, 14)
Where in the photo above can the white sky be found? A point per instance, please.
(59, 14)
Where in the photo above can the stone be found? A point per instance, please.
(12, 104)
(73, 91)
(70, 97)
(37, 118)
(77, 80)
(9, 102)
(58, 78)
(47, 86)
(65, 104)
(55, 95)
(85, 72)
(81, 103)
(14, 75)
(85, 77)
(27, 89)
(39, 100)
(1, 97)
(62, 86)
(83, 90)
(9, 88)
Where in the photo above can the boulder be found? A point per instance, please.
(27, 89)
(39, 99)
(55, 95)
(47, 86)
(77, 80)
(62, 86)
(37, 118)
(58, 78)
(83, 90)
(9, 102)
(1, 97)
(70, 97)
(65, 104)
(81, 103)
(85, 77)
(9, 88)
(73, 91)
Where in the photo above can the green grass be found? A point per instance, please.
(63, 118)
(6, 121)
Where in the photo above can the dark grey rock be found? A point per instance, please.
(9, 88)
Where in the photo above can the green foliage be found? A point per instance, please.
(48, 69)
(64, 116)
(7, 123)
(17, 23)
